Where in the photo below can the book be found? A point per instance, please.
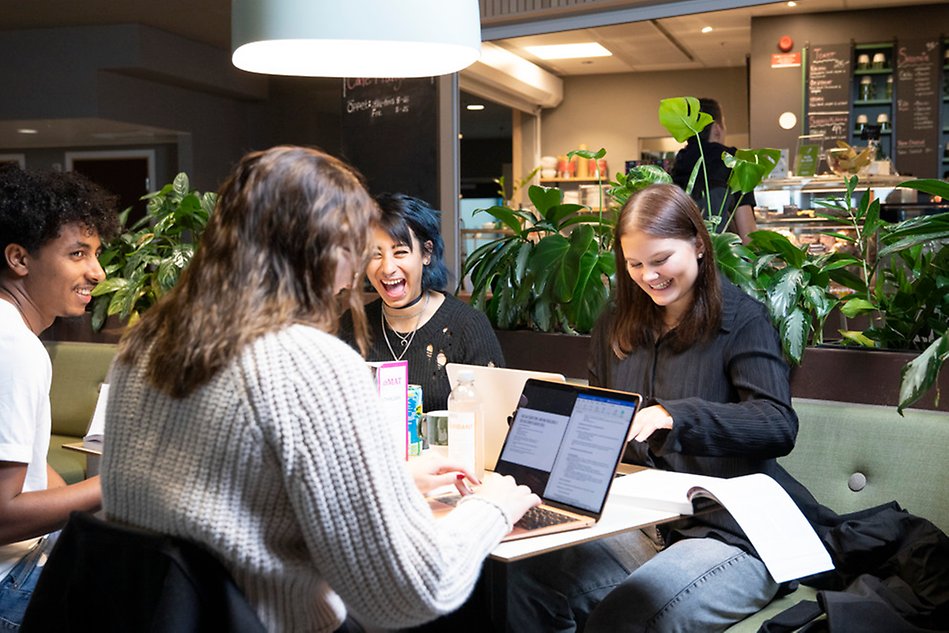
(96, 431)
(392, 380)
(784, 540)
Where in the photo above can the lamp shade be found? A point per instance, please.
(355, 38)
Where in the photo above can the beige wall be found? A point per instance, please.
(614, 111)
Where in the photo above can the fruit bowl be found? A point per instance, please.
(846, 161)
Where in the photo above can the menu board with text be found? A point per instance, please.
(389, 133)
(828, 91)
(917, 108)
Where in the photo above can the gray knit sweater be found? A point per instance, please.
(280, 466)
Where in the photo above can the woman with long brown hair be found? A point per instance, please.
(238, 420)
(708, 362)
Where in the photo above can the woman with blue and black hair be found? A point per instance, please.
(415, 319)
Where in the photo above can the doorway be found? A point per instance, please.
(128, 174)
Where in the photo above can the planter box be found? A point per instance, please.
(826, 373)
(869, 376)
(80, 329)
(542, 351)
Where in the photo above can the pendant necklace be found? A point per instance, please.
(407, 338)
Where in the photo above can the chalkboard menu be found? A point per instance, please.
(828, 92)
(917, 107)
(389, 133)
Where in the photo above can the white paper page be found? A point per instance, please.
(658, 489)
(785, 541)
(97, 424)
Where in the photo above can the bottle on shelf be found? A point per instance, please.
(466, 424)
(583, 164)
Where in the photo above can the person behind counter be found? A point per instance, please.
(708, 363)
(264, 439)
(51, 225)
(415, 319)
(712, 138)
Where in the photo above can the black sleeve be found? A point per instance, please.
(760, 424)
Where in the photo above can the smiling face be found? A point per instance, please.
(665, 269)
(395, 269)
(62, 273)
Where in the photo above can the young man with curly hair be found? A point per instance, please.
(51, 227)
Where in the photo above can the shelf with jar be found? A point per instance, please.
(872, 94)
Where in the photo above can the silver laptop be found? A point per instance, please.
(565, 443)
(500, 390)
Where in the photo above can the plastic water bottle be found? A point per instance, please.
(466, 424)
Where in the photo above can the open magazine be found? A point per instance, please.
(93, 437)
(784, 540)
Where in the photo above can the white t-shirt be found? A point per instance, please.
(25, 376)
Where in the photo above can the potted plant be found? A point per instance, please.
(897, 276)
(145, 260)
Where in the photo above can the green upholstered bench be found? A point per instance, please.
(855, 456)
(78, 370)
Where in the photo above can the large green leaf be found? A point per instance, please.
(507, 216)
(785, 293)
(587, 306)
(544, 199)
(569, 268)
(749, 167)
(772, 242)
(638, 178)
(920, 374)
(795, 328)
(109, 285)
(920, 230)
(587, 154)
(855, 306)
(682, 117)
(928, 185)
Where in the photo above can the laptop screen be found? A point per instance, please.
(566, 441)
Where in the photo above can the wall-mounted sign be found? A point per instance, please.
(786, 60)
(917, 107)
(828, 92)
(389, 134)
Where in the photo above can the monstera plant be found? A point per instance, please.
(553, 271)
(145, 260)
(550, 272)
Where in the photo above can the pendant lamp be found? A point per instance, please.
(355, 38)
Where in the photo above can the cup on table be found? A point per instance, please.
(434, 427)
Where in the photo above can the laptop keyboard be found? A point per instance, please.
(538, 517)
(533, 519)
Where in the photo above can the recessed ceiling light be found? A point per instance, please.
(706, 29)
(474, 107)
(27, 130)
(568, 51)
(791, 3)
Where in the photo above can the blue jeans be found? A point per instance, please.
(17, 587)
(555, 592)
(698, 584)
